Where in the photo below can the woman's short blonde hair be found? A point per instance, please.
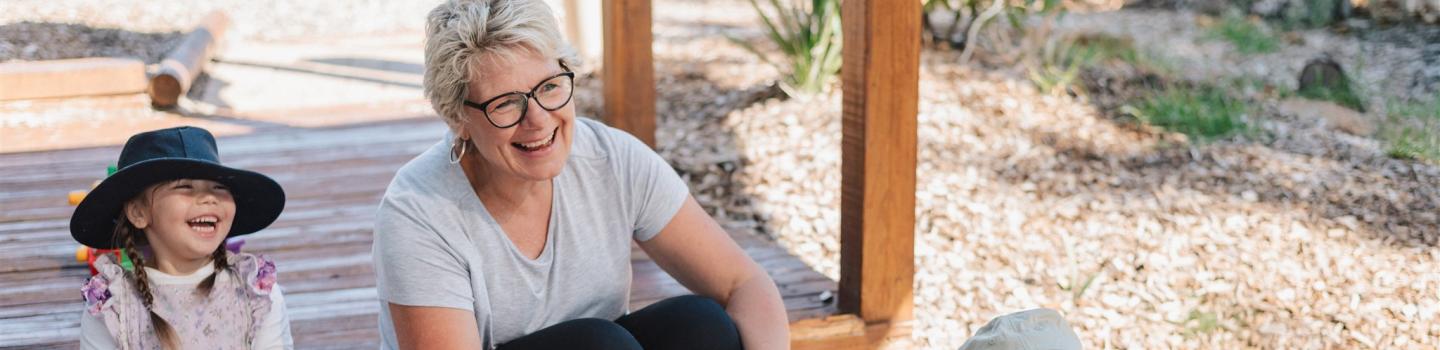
(461, 34)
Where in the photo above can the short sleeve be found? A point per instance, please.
(414, 264)
(654, 192)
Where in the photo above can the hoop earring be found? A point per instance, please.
(455, 156)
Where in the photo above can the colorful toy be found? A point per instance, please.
(88, 255)
(76, 196)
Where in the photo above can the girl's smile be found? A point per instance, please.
(184, 222)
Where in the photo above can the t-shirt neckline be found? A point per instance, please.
(469, 201)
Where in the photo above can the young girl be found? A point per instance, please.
(170, 208)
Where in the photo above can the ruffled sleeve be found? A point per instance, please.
(257, 271)
(258, 275)
(109, 295)
(96, 293)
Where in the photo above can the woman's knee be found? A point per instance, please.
(584, 333)
(685, 322)
(706, 313)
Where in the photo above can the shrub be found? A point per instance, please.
(810, 41)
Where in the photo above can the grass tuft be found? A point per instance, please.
(1248, 36)
(1412, 130)
(1342, 95)
(1202, 113)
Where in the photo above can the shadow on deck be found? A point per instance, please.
(321, 244)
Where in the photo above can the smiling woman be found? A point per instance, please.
(515, 230)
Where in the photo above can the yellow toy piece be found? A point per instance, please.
(77, 196)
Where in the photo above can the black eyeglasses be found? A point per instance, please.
(509, 109)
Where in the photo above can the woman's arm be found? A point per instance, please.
(427, 327)
(696, 251)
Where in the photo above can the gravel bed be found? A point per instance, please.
(1307, 238)
(50, 29)
(1311, 240)
(34, 41)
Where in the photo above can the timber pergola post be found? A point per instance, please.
(881, 76)
(629, 68)
(881, 82)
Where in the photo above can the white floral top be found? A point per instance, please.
(241, 313)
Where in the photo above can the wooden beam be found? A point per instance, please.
(847, 332)
(183, 64)
(829, 333)
(21, 80)
(877, 204)
(629, 69)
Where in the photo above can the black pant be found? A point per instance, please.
(683, 322)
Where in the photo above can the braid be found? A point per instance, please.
(222, 263)
(128, 233)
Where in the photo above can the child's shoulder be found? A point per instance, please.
(107, 286)
(257, 272)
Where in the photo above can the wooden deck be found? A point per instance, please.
(334, 178)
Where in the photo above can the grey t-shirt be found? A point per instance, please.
(437, 245)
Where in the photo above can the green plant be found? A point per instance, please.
(810, 42)
(1314, 13)
(1077, 285)
(1058, 67)
(1096, 49)
(966, 15)
(1248, 36)
(1200, 112)
(1060, 61)
(1200, 322)
(1342, 94)
(1412, 130)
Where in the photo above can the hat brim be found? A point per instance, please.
(258, 199)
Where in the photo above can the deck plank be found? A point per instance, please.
(334, 178)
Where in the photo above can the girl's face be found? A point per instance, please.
(184, 219)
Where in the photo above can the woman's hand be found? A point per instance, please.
(696, 251)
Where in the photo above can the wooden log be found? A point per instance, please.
(71, 77)
(180, 67)
(629, 71)
(881, 77)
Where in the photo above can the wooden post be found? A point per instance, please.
(877, 204)
(629, 71)
(185, 62)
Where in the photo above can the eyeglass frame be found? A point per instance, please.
(525, 109)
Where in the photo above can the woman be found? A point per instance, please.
(514, 232)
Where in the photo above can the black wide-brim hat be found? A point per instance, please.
(171, 154)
